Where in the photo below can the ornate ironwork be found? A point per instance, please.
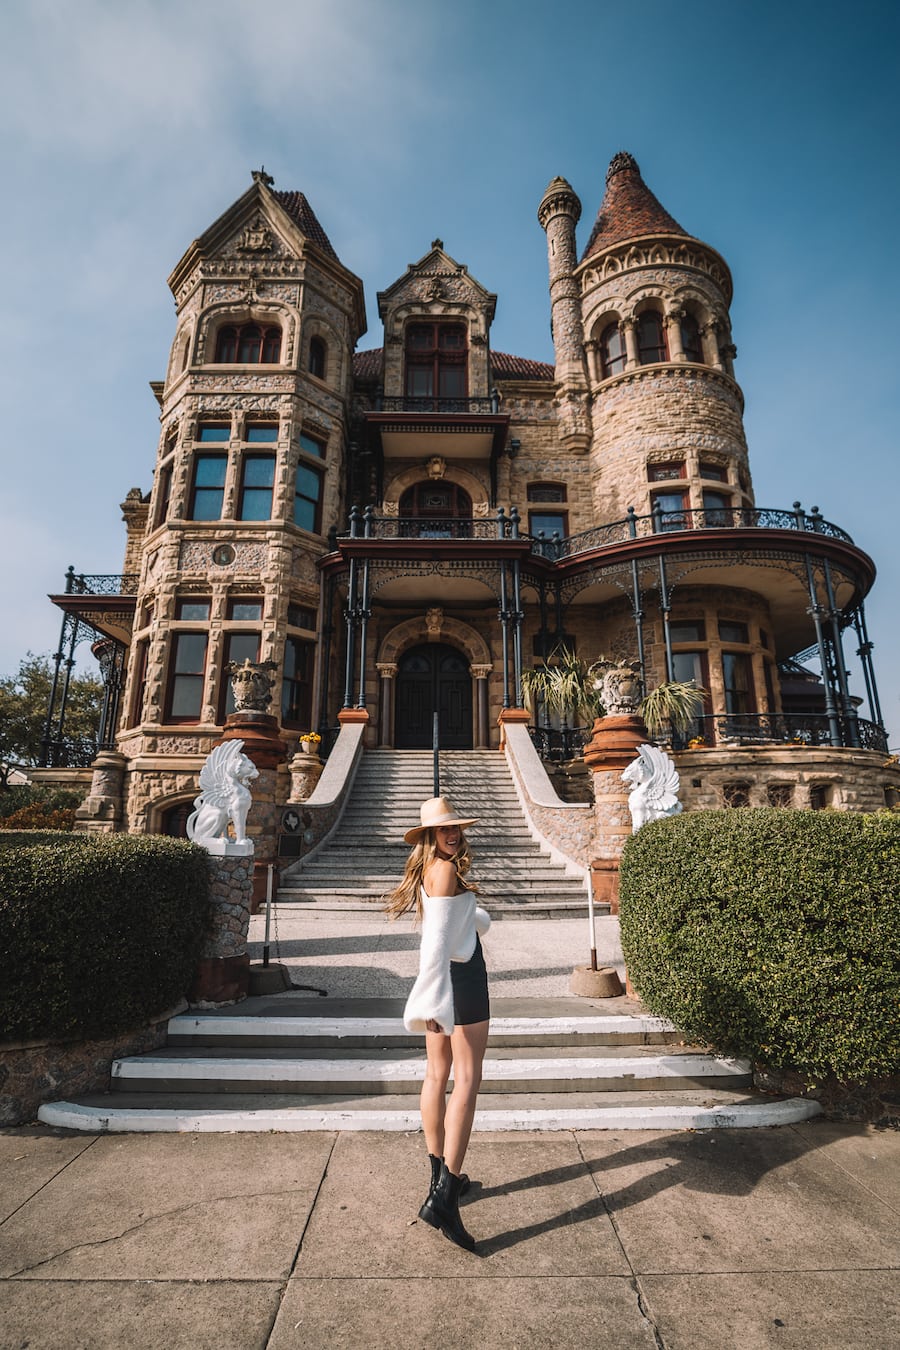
(125, 583)
(558, 744)
(803, 729)
(500, 526)
(671, 522)
(70, 752)
(489, 406)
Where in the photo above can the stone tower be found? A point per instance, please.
(250, 475)
(666, 408)
(559, 213)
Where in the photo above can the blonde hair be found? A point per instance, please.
(408, 894)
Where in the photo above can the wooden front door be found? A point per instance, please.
(433, 677)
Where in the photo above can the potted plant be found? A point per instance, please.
(309, 742)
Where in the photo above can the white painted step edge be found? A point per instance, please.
(755, 1115)
(312, 1027)
(262, 1071)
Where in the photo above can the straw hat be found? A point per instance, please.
(437, 811)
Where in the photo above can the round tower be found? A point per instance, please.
(666, 409)
(559, 213)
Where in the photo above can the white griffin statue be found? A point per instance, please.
(655, 781)
(224, 797)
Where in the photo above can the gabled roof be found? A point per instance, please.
(628, 210)
(439, 265)
(302, 214)
(369, 365)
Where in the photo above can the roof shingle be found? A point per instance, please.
(302, 214)
(369, 365)
(628, 209)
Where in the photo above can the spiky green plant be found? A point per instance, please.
(565, 685)
(675, 704)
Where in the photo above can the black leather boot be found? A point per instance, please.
(436, 1165)
(441, 1210)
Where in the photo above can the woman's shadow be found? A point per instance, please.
(716, 1162)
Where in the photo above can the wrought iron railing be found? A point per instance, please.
(465, 406)
(671, 522)
(801, 729)
(810, 730)
(77, 583)
(502, 526)
(555, 745)
(69, 752)
(329, 737)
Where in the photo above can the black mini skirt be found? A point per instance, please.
(470, 988)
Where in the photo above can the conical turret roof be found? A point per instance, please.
(628, 209)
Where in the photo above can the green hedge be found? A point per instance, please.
(98, 936)
(771, 934)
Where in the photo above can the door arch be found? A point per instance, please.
(433, 677)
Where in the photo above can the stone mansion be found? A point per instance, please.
(405, 529)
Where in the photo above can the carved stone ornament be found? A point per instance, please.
(224, 800)
(434, 619)
(436, 467)
(434, 289)
(256, 238)
(251, 684)
(619, 686)
(390, 508)
(655, 784)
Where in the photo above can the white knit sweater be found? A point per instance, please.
(449, 926)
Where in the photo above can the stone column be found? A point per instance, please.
(673, 327)
(223, 971)
(709, 334)
(482, 707)
(387, 670)
(593, 361)
(632, 358)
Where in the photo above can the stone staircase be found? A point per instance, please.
(286, 1064)
(365, 856)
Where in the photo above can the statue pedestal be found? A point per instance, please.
(223, 970)
(264, 747)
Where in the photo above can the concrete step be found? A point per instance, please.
(665, 1110)
(294, 1027)
(513, 907)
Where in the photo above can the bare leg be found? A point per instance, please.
(467, 1045)
(433, 1100)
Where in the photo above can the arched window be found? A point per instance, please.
(612, 350)
(690, 338)
(651, 338)
(436, 509)
(248, 344)
(318, 353)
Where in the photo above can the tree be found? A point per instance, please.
(23, 710)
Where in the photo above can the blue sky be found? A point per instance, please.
(768, 130)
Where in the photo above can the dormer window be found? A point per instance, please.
(436, 362)
(248, 344)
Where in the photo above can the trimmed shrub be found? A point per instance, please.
(100, 935)
(30, 806)
(771, 934)
(16, 838)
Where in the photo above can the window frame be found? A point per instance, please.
(612, 364)
(303, 720)
(226, 694)
(268, 338)
(176, 635)
(249, 458)
(435, 360)
(651, 354)
(317, 357)
(220, 457)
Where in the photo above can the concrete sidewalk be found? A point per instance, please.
(756, 1238)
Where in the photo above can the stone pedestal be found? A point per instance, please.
(305, 770)
(610, 750)
(101, 810)
(264, 747)
(223, 970)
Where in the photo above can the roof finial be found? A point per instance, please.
(437, 243)
(620, 162)
(260, 176)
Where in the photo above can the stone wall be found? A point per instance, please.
(34, 1072)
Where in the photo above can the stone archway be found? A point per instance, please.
(435, 628)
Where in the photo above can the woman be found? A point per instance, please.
(449, 1001)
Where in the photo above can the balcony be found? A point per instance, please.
(418, 428)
